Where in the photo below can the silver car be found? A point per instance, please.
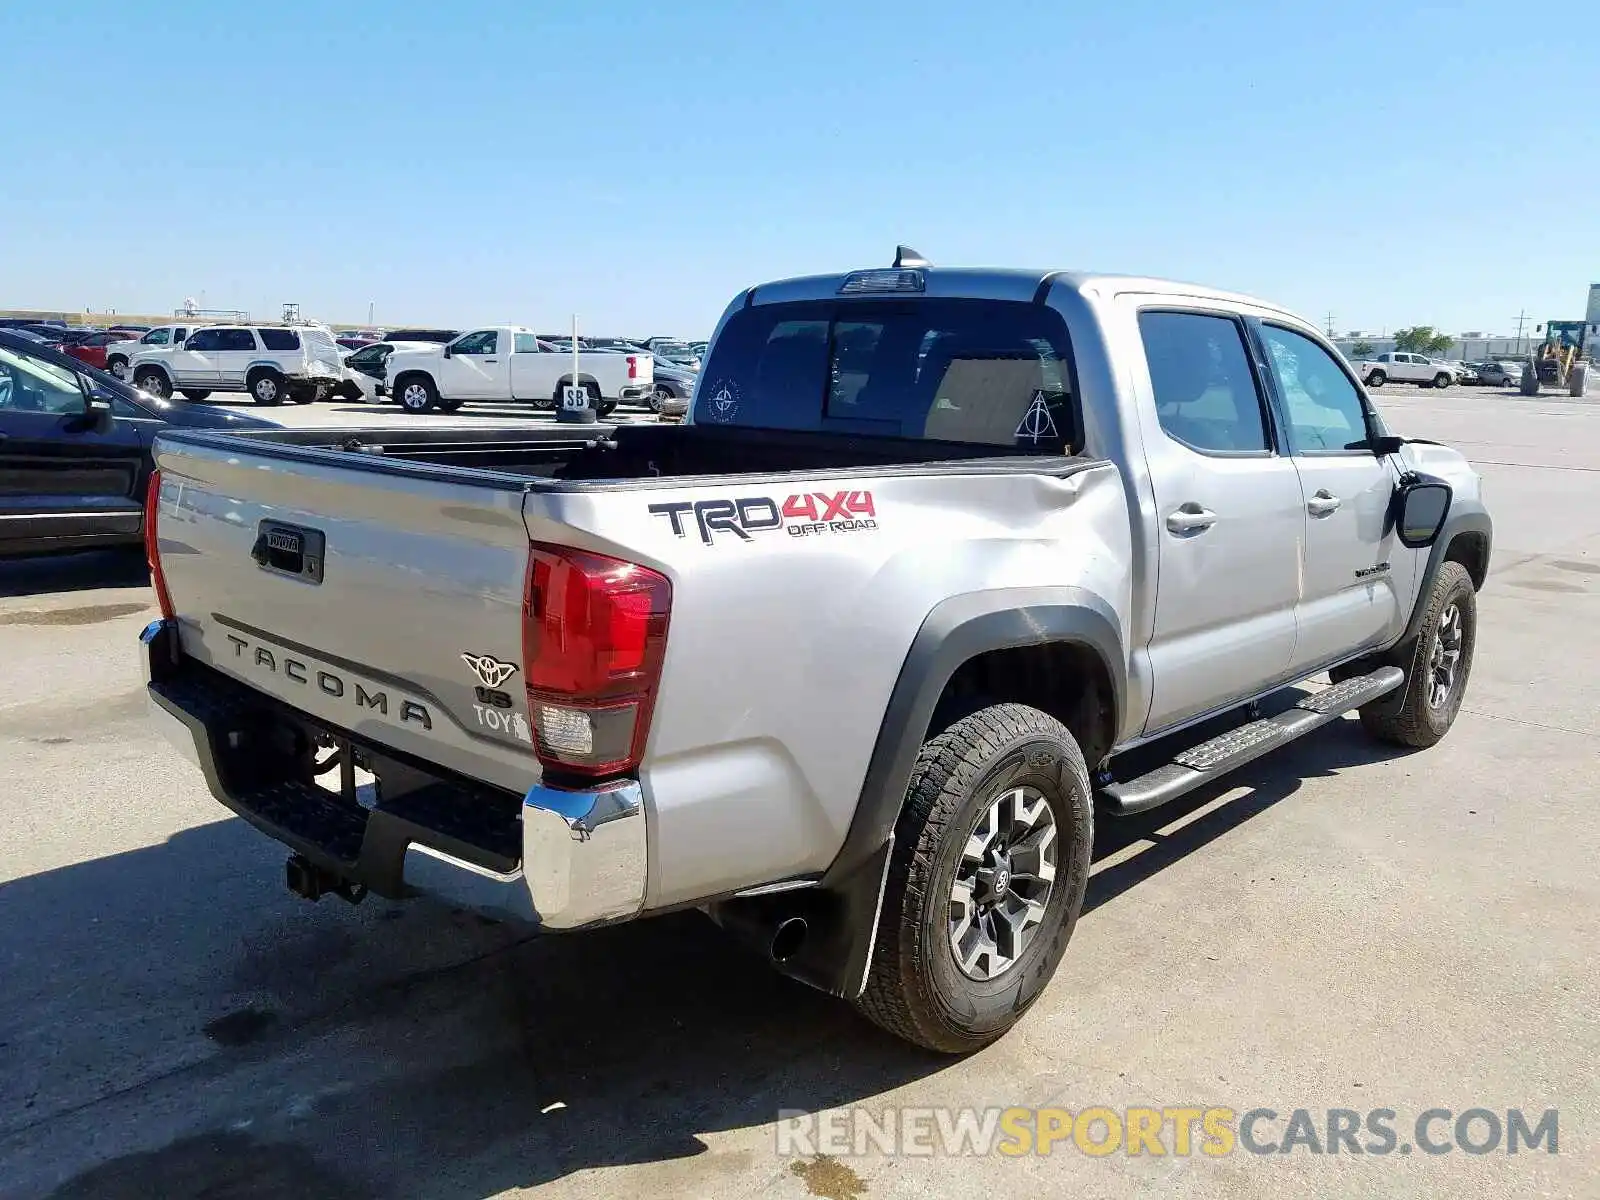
(1500, 373)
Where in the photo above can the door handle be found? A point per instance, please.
(490, 360)
(1191, 518)
(1323, 504)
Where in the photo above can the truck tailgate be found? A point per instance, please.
(378, 602)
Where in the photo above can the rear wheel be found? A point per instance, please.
(267, 387)
(195, 394)
(417, 394)
(153, 381)
(985, 882)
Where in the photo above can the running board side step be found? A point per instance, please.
(1226, 752)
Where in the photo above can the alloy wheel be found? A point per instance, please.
(1446, 657)
(1003, 883)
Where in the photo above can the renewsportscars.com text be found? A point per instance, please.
(1178, 1130)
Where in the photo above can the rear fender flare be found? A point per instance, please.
(842, 911)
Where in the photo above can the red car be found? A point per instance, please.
(92, 349)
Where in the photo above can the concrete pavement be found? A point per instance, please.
(1341, 926)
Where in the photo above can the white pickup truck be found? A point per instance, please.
(1401, 367)
(120, 354)
(510, 363)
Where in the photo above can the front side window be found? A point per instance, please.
(29, 384)
(1205, 392)
(280, 339)
(158, 337)
(1322, 407)
(979, 372)
(481, 342)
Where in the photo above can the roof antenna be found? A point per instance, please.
(905, 256)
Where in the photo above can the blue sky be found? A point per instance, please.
(640, 162)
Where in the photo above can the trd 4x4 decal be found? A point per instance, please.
(802, 515)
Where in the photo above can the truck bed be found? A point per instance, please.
(553, 457)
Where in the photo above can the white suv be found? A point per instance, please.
(273, 363)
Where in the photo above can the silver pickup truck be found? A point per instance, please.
(944, 564)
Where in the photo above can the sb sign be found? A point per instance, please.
(574, 399)
(802, 515)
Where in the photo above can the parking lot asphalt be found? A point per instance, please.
(1340, 925)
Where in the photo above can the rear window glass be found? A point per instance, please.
(280, 339)
(987, 372)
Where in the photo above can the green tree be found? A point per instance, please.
(1361, 349)
(1422, 339)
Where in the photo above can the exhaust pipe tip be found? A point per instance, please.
(787, 938)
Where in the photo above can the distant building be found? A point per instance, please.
(1473, 346)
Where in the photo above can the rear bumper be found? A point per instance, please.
(558, 858)
(635, 391)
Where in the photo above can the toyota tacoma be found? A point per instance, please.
(943, 566)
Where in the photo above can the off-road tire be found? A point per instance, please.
(1418, 723)
(154, 381)
(267, 387)
(915, 988)
(195, 394)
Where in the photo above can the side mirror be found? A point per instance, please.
(1423, 504)
(448, 351)
(96, 405)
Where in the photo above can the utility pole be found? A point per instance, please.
(1330, 326)
(1522, 318)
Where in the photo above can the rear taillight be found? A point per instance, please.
(633, 366)
(594, 632)
(152, 542)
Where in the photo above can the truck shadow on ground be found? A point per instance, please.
(74, 572)
(515, 1064)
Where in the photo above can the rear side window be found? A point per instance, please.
(235, 339)
(1205, 392)
(280, 339)
(983, 372)
(525, 343)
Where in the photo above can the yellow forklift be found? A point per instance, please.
(1561, 360)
